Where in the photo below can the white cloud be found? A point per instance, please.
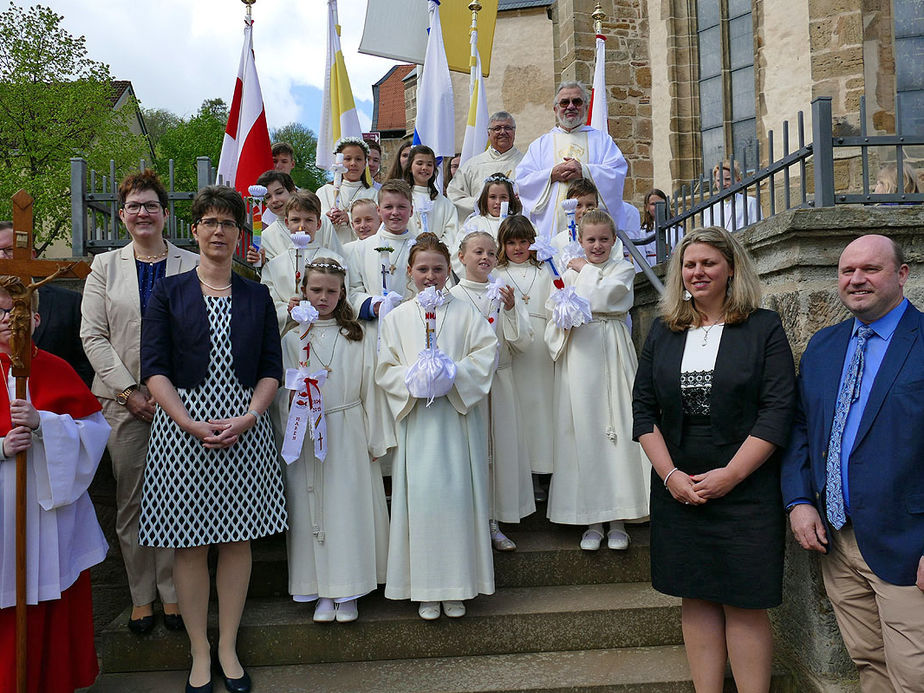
(178, 53)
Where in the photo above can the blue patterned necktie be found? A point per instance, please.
(850, 391)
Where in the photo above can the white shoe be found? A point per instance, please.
(325, 611)
(454, 609)
(617, 540)
(429, 611)
(591, 539)
(347, 611)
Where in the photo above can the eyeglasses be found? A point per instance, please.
(5, 312)
(578, 102)
(502, 128)
(211, 224)
(149, 207)
(6, 252)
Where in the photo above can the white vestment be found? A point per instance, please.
(511, 475)
(601, 162)
(601, 474)
(366, 263)
(279, 276)
(349, 192)
(338, 519)
(276, 238)
(440, 543)
(63, 536)
(442, 219)
(717, 215)
(533, 368)
(465, 187)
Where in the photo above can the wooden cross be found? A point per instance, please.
(16, 278)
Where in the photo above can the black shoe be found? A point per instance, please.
(174, 622)
(204, 688)
(241, 685)
(141, 626)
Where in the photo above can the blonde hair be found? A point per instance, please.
(888, 176)
(743, 294)
(596, 217)
(725, 165)
(472, 236)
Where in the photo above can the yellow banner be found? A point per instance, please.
(456, 20)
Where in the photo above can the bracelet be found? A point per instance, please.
(254, 414)
(669, 476)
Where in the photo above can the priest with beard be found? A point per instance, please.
(569, 151)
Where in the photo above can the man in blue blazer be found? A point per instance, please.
(853, 475)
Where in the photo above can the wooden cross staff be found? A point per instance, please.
(16, 278)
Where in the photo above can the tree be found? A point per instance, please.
(55, 103)
(159, 121)
(200, 135)
(305, 143)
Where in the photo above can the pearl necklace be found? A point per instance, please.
(213, 288)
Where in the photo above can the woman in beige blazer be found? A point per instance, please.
(115, 296)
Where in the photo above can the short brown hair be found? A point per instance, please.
(273, 176)
(397, 186)
(304, 201)
(515, 228)
(580, 187)
(218, 198)
(283, 148)
(143, 180)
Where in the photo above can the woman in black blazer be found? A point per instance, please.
(712, 404)
(211, 357)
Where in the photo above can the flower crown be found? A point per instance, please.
(498, 178)
(327, 265)
(358, 141)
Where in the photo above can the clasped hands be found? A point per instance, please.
(696, 489)
(24, 419)
(567, 171)
(217, 434)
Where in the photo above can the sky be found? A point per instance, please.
(177, 53)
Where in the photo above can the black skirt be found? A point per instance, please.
(728, 550)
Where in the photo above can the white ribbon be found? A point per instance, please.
(545, 251)
(306, 412)
(572, 250)
(569, 309)
(434, 373)
(424, 209)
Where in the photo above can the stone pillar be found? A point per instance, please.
(796, 254)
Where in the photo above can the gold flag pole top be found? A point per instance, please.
(475, 7)
(598, 17)
(249, 3)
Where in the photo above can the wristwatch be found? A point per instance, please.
(123, 396)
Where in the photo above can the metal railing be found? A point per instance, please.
(691, 203)
(95, 223)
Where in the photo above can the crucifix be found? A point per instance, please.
(17, 279)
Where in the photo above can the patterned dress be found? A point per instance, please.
(193, 496)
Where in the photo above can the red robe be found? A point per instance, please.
(61, 654)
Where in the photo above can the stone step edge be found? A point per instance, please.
(658, 669)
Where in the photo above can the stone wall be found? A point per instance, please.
(796, 254)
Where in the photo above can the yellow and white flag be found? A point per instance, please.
(338, 110)
(476, 129)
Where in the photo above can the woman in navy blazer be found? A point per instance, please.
(211, 357)
(712, 404)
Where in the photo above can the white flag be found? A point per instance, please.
(597, 113)
(476, 129)
(435, 124)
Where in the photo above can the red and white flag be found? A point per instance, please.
(246, 151)
(597, 113)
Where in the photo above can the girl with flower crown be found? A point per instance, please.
(356, 184)
(436, 365)
(338, 519)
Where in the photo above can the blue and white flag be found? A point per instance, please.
(435, 124)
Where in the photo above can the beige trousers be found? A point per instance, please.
(150, 570)
(882, 624)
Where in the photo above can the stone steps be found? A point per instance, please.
(545, 555)
(661, 669)
(513, 620)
